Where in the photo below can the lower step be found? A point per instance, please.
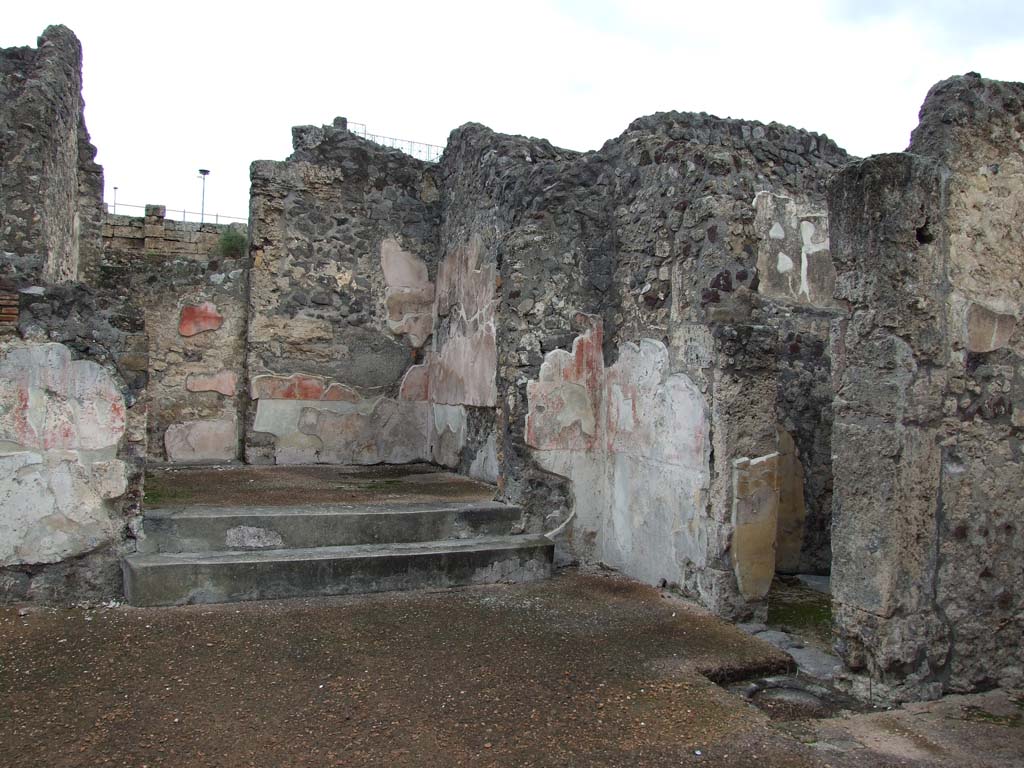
(224, 577)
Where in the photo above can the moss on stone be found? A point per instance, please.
(805, 611)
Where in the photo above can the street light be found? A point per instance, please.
(115, 200)
(203, 173)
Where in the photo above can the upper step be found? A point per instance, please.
(285, 486)
(218, 528)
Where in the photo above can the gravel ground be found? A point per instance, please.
(583, 670)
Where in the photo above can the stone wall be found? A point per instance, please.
(195, 300)
(698, 249)
(716, 223)
(474, 313)
(398, 311)
(73, 361)
(51, 188)
(486, 228)
(928, 496)
(344, 257)
(154, 235)
(72, 445)
(72, 442)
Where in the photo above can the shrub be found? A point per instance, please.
(232, 244)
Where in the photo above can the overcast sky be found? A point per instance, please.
(174, 87)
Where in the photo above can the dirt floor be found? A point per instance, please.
(271, 486)
(583, 670)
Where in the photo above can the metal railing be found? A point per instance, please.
(173, 213)
(430, 153)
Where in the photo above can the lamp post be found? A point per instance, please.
(115, 200)
(203, 173)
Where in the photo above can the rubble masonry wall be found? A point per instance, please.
(73, 362)
(195, 301)
(927, 577)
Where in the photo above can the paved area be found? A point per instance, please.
(985, 729)
(800, 623)
(268, 486)
(582, 670)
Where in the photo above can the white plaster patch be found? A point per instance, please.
(401, 268)
(463, 370)
(590, 488)
(409, 294)
(98, 406)
(448, 436)
(793, 255)
(809, 247)
(281, 417)
(623, 408)
(297, 448)
(60, 425)
(576, 408)
(575, 377)
(639, 488)
(202, 440)
(484, 466)
(394, 432)
(250, 537)
(111, 478)
(49, 509)
(987, 330)
(807, 233)
(52, 402)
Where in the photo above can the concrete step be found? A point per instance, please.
(230, 576)
(213, 529)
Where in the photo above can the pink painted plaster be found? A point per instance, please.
(300, 386)
(196, 318)
(464, 370)
(225, 382)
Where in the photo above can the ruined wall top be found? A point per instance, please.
(334, 145)
(474, 138)
(663, 135)
(58, 50)
(49, 233)
(963, 111)
(730, 152)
